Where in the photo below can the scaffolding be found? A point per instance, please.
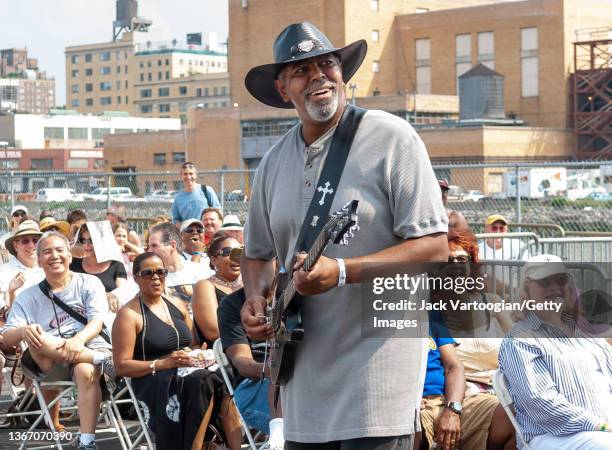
(591, 93)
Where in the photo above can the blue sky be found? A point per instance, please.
(46, 27)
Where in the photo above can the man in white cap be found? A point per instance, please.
(192, 237)
(346, 392)
(233, 228)
(19, 213)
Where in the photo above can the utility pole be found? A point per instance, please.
(353, 87)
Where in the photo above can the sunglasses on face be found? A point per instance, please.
(19, 214)
(460, 259)
(27, 241)
(85, 241)
(197, 230)
(226, 251)
(561, 280)
(148, 273)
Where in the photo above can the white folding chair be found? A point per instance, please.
(224, 364)
(500, 386)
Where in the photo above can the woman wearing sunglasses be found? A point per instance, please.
(151, 339)
(111, 273)
(208, 293)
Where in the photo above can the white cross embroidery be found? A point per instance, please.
(324, 190)
(315, 219)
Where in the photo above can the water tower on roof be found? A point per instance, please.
(127, 18)
(481, 94)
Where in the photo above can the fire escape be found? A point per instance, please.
(591, 93)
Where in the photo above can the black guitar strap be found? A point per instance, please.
(328, 182)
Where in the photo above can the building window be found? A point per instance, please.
(199, 92)
(88, 57)
(529, 62)
(105, 56)
(118, 85)
(215, 91)
(167, 62)
(74, 59)
(163, 92)
(486, 49)
(88, 72)
(159, 63)
(182, 107)
(125, 69)
(117, 54)
(149, 77)
(88, 87)
(182, 90)
(106, 70)
(75, 73)
(159, 75)
(224, 90)
(463, 56)
(374, 5)
(74, 88)
(142, 77)
(118, 69)
(141, 64)
(105, 86)
(41, 163)
(118, 99)
(106, 101)
(54, 133)
(146, 109)
(97, 134)
(77, 133)
(375, 35)
(159, 159)
(423, 66)
(148, 63)
(146, 93)
(205, 92)
(89, 102)
(178, 157)
(126, 99)
(375, 66)
(164, 107)
(167, 75)
(123, 130)
(76, 103)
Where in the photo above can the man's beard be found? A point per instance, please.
(323, 111)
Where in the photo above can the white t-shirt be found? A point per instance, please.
(3, 239)
(85, 294)
(9, 270)
(511, 250)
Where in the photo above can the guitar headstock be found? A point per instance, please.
(345, 223)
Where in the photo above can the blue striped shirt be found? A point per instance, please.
(551, 378)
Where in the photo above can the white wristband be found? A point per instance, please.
(342, 274)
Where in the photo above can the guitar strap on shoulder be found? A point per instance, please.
(46, 289)
(328, 182)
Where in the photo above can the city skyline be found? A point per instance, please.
(47, 36)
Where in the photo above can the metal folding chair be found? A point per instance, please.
(500, 386)
(129, 440)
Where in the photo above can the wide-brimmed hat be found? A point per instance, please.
(25, 228)
(231, 223)
(49, 222)
(295, 43)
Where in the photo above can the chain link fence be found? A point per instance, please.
(550, 199)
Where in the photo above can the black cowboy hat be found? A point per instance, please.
(297, 42)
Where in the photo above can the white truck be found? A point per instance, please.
(538, 182)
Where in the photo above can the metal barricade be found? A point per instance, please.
(507, 246)
(579, 249)
(540, 229)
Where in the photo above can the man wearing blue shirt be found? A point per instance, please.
(194, 198)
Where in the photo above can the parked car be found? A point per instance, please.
(600, 196)
(235, 196)
(473, 196)
(58, 195)
(116, 193)
(161, 196)
(455, 193)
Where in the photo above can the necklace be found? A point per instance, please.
(223, 282)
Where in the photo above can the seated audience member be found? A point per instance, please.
(118, 214)
(152, 335)
(19, 213)
(50, 224)
(212, 218)
(60, 347)
(254, 395)
(44, 214)
(559, 377)
(207, 294)
(192, 235)
(129, 251)
(162, 218)
(112, 274)
(75, 219)
(233, 228)
(449, 418)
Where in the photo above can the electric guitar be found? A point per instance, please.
(283, 312)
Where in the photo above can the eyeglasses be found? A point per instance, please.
(225, 251)
(148, 273)
(197, 230)
(85, 241)
(560, 280)
(19, 214)
(27, 241)
(460, 259)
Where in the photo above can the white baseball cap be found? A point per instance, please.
(19, 208)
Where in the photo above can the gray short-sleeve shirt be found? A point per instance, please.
(345, 386)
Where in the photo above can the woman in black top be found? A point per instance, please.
(207, 294)
(111, 273)
(151, 339)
